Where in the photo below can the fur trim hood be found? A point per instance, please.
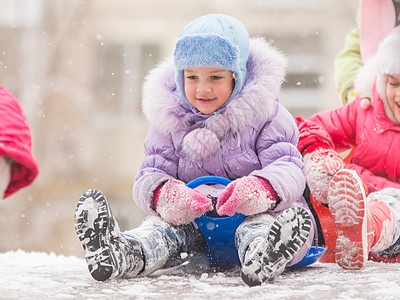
(165, 110)
(255, 105)
(364, 80)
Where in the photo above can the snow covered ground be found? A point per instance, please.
(33, 275)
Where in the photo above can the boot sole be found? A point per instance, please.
(92, 223)
(347, 204)
(271, 256)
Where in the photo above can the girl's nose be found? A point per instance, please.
(203, 87)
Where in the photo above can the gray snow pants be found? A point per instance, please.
(163, 243)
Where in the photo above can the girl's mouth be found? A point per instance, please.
(205, 99)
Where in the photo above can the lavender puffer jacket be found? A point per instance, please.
(252, 135)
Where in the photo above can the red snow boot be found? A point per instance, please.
(347, 203)
(362, 227)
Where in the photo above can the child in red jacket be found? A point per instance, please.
(18, 167)
(363, 195)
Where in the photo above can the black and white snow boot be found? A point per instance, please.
(267, 257)
(108, 252)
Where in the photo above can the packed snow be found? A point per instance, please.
(33, 275)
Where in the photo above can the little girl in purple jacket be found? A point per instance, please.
(213, 111)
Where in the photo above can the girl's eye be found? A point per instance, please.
(191, 77)
(215, 77)
(394, 83)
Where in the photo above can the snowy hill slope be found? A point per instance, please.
(32, 275)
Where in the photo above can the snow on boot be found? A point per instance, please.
(267, 258)
(347, 204)
(108, 252)
(381, 224)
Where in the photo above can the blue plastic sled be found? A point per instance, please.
(220, 233)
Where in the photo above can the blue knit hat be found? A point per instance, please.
(213, 40)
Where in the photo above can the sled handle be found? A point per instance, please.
(207, 179)
(219, 232)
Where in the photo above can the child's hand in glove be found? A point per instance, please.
(321, 163)
(177, 204)
(248, 195)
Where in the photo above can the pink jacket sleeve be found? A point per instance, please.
(15, 143)
(335, 127)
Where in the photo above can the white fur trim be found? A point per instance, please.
(255, 104)
(168, 113)
(364, 81)
(388, 59)
(160, 102)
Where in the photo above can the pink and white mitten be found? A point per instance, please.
(177, 204)
(248, 195)
(321, 163)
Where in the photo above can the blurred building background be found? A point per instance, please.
(77, 67)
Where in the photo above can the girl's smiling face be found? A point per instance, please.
(393, 94)
(208, 88)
